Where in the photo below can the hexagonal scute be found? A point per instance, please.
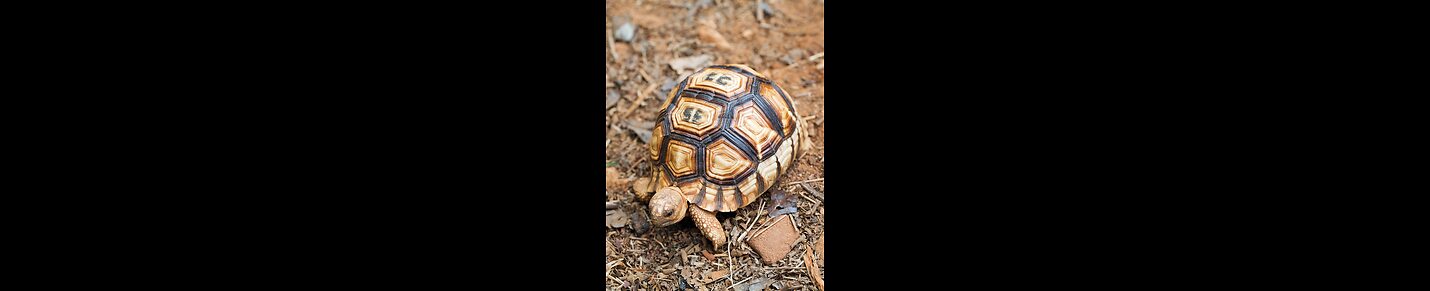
(726, 84)
(750, 124)
(723, 161)
(680, 158)
(783, 110)
(695, 117)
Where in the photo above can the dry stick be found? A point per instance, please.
(767, 227)
(810, 180)
(730, 274)
(611, 41)
(741, 281)
(810, 189)
(608, 275)
(746, 233)
(633, 106)
(811, 200)
(646, 76)
(649, 90)
(760, 13)
(795, 223)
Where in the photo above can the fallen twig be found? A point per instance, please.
(810, 180)
(611, 42)
(649, 90)
(811, 200)
(816, 56)
(760, 12)
(628, 110)
(812, 191)
(646, 76)
(746, 233)
(741, 281)
(608, 275)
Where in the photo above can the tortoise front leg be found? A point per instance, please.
(708, 225)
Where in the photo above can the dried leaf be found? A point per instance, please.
(636, 124)
(716, 275)
(781, 203)
(755, 284)
(611, 97)
(642, 129)
(690, 64)
(643, 134)
(669, 84)
(616, 219)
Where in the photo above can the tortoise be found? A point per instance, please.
(724, 135)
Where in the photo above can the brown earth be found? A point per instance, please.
(788, 46)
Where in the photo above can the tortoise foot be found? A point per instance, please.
(709, 225)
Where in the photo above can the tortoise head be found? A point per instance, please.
(667, 206)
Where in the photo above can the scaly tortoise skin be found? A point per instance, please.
(724, 136)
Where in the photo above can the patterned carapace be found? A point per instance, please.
(724, 135)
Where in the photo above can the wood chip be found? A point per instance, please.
(816, 56)
(707, 255)
(775, 242)
(813, 271)
(819, 249)
(715, 276)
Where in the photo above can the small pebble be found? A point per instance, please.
(626, 32)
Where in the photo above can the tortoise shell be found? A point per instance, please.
(724, 135)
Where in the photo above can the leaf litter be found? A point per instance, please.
(665, 47)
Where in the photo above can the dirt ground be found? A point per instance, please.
(787, 44)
